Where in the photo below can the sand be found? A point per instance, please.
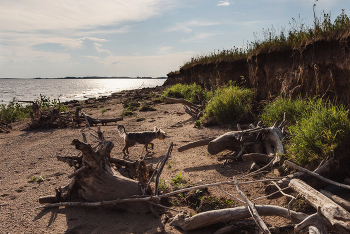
(28, 153)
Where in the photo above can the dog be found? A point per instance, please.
(146, 137)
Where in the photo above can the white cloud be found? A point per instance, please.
(198, 37)
(164, 49)
(187, 26)
(31, 15)
(224, 3)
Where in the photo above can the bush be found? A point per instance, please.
(295, 110)
(316, 127)
(186, 92)
(13, 111)
(228, 104)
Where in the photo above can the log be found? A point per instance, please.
(182, 101)
(228, 141)
(340, 201)
(335, 214)
(315, 183)
(93, 121)
(195, 144)
(231, 214)
(288, 163)
(257, 158)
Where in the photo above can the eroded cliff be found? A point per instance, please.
(317, 68)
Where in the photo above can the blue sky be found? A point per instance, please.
(59, 38)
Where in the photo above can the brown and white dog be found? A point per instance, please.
(146, 137)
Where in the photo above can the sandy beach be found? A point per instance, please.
(32, 153)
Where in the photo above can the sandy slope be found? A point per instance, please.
(25, 154)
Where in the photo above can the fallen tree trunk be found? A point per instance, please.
(340, 201)
(231, 214)
(335, 214)
(196, 144)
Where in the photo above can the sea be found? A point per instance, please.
(69, 89)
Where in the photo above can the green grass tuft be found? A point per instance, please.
(186, 91)
(228, 104)
(316, 127)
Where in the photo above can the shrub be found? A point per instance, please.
(186, 92)
(315, 127)
(228, 104)
(318, 134)
(13, 111)
(295, 110)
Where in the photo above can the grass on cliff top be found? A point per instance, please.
(297, 35)
(316, 127)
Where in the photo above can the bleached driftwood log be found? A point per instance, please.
(340, 201)
(231, 214)
(335, 214)
(313, 182)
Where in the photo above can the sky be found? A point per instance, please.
(60, 38)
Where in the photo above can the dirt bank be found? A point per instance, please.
(317, 68)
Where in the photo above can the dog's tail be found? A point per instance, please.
(121, 131)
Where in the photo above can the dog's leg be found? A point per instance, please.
(152, 145)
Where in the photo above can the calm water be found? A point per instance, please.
(68, 89)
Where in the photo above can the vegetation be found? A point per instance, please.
(179, 180)
(228, 104)
(186, 91)
(269, 39)
(13, 111)
(316, 127)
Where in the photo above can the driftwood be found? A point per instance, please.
(190, 108)
(315, 183)
(258, 144)
(5, 127)
(94, 179)
(53, 117)
(335, 214)
(231, 214)
(340, 201)
(254, 213)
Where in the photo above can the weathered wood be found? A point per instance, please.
(334, 213)
(340, 201)
(182, 101)
(288, 163)
(195, 144)
(315, 183)
(315, 223)
(253, 211)
(257, 158)
(231, 214)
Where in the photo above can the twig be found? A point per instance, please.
(161, 168)
(231, 195)
(287, 195)
(288, 163)
(68, 204)
(255, 215)
(270, 194)
(164, 207)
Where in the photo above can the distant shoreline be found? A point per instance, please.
(92, 77)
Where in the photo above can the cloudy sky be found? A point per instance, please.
(59, 38)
